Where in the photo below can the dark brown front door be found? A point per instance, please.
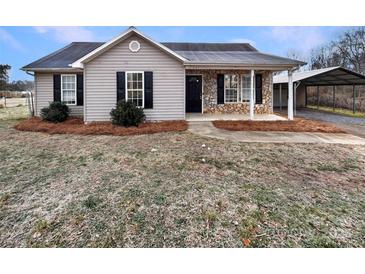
(193, 93)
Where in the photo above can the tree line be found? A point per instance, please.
(19, 85)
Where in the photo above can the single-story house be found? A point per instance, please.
(332, 76)
(168, 80)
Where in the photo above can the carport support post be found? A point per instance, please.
(251, 95)
(290, 95)
(353, 98)
(317, 97)
(334, 95)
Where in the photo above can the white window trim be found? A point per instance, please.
(126, 85)
(74, 75)
(238, 89)
(241, 87)
(138, 46)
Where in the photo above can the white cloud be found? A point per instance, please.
(242, 40)
(300, 38)
(67, 34)
(7, 38)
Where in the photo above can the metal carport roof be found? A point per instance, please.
(333, 76)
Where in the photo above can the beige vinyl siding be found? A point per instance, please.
(44, 94)
(168, 81)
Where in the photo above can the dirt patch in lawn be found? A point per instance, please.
(298, 125)
(76, 126)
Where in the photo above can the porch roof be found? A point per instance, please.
(242, 58)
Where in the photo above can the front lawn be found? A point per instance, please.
(177, 190)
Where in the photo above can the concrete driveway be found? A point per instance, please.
(351, 125)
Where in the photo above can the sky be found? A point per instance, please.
(20, 46)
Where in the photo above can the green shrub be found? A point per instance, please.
(56, 112)
(127, 114)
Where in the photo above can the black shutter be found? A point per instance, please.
(80, 89)
(120, 86)
(258, 85)
(220, 88)
(148, 89)
(56, 87)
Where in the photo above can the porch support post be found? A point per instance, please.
(317, 97)
(280, 96)
(290, 95)
(252, 103)
(295, 98)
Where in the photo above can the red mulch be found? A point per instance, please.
(297, 125)
(76, 126)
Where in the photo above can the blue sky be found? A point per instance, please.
(22, 45)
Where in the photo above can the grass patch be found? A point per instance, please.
(13, 113)
(341, 111)
(91, 202)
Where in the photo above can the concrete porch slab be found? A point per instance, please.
(200, 117)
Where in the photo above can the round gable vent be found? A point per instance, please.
(134, 46)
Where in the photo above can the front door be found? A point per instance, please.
(193, 93)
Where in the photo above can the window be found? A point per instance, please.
(245, 87)
(134, 46)
(231, 88)
(68, 89)
(135, 88)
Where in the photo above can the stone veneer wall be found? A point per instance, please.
(210, 93)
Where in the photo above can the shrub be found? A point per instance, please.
(127, 114)
(56, 112)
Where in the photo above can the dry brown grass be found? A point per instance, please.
(298, 125)
(76, 126)
(177, 189)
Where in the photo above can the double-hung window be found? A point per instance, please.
(135, 88)
(68, 89)
(245, 87)
(231, 88)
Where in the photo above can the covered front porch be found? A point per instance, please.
(231, 94)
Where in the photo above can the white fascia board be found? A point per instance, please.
(80, 62)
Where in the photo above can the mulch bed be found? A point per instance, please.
(297, 125)
(77, 126)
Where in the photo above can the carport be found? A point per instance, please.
(332, 77)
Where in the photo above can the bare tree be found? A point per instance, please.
(347, 51)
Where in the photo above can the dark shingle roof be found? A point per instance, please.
(196, 53)
(65, 56)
